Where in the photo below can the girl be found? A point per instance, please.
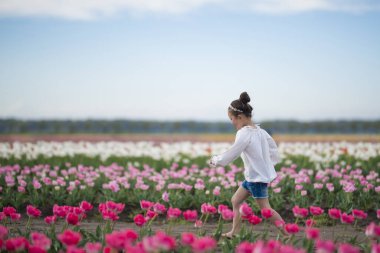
(259, 153)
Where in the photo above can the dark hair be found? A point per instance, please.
(241, 106)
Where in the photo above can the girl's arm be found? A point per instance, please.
(241, 142)
(273, 150)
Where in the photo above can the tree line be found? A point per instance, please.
(17, 126)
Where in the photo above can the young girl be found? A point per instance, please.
(259, 153)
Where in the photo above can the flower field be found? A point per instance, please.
(169, 200)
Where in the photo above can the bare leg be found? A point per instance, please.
(237, 199)
(264, 203)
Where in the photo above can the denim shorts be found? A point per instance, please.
(258, 190)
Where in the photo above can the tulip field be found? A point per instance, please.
(163, 197)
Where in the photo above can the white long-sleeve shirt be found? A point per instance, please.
(258, 151)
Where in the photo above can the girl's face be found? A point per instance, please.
(235, 120)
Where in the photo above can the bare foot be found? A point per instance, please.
(228, 235)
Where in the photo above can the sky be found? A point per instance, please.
(187, 60)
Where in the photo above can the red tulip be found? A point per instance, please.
(334, 213)
(346, 218)
(315, 210)
(50, 219)
(266, 213)
(359, 214)
(139, 220)
(16, 244)
(32, 211)
(9, 210)
(72, 219)
(292, 228)
(190, 215)
(69, 237)
(86, 206)
(254, 220)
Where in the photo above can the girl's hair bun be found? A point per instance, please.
(244, 98)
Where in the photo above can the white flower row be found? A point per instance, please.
(317, 152)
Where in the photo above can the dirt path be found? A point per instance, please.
(344, 232)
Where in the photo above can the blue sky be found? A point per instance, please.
(189, 61)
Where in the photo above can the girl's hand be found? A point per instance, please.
(211, 162)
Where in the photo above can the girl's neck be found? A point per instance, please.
(248, 123)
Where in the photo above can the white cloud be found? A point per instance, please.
(90, 9)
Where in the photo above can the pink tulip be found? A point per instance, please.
(310, 222)
(109, 215)
(221, 208)
(300, 212)
(187, 238)
(378, 213)
(245, 247)
(266, 213)
(279, 223)
(165, 196)
(69, 237)
(190, 215)
(227, 214)
(120, 239)
(198, 224)
(139, 220)
(373, 230)
(159, 208)
(334, 213)
(115, 207)
(315, 210)
(173, 213)
(144, 204)
(325, 246)
(40, 240)
(375, 248)
(245, 211)
(203, 244)
(312, 233)
(159, 242)
(3, 233)
(346, 218)
(208, 209)
(348, 248)
(93, 247)
(359, 214)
